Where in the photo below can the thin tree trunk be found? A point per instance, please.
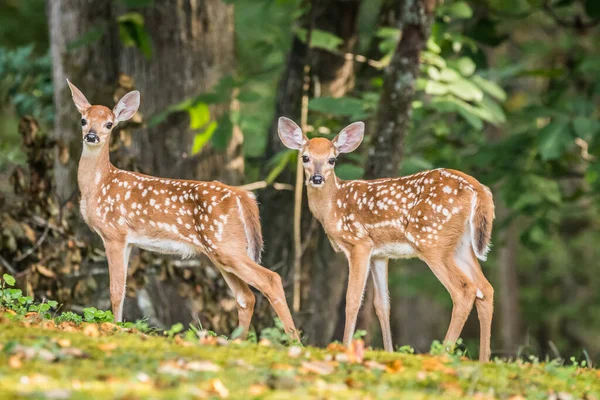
(395, 110)
(93, 67)
(193, 48)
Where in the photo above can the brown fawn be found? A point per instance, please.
(444, 217)
(169, 216)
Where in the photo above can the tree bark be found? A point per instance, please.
(395, 105)
(325, 272)
(92, 67)
(193, 48)
(394, 113)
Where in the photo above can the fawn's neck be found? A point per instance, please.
(94, 165)
(321, 200)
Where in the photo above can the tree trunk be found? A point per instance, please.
(324, 272)
(92, 67)
(394, 113)
(193, 48)
(395, 105)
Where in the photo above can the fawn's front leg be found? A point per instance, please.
(379, 271)
(358, 262)
(117, 253)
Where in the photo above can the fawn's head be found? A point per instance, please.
(319, 154)
(97, 122)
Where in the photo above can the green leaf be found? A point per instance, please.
(436, 88)
(585, 128)
(203, 137)
(489, 87)
(10, 281)
(133, 33)
(222, 133)
(321, 39)
(553, 139)
(465, 90)
(91, 36)
(449, 75)
(471, 118)
(460, 9)
(248, 96)
(433, 73)
(466, 66)
(341, 107)
(199, 115)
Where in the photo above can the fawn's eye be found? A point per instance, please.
(109, 125)
(305, 159)
(83, 122)
(331, 161)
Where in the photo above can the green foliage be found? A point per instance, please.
(69, 316)
(133, 33)
(174, 330)
(277, 334)
(91, 314)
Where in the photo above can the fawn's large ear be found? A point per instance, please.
(127, 106)
(290, 134)
(350, 137)
(79, 99)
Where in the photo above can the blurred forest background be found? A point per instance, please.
(505, 90)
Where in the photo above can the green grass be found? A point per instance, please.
(37, 362)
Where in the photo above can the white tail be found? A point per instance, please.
(442, 216)
(169, 216)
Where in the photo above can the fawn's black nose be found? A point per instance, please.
(91, 137)
(317, 179)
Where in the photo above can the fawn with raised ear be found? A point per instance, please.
(444, 217)
(169, 216)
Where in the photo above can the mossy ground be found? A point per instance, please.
(104, 362)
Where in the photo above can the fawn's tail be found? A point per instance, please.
(251, 220)
(482, 215)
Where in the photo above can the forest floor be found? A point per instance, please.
(42, 359)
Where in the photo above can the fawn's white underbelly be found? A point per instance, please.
(394, 250)
(164, 246)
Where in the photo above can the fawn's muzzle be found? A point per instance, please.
(317, 179)
(92, 138)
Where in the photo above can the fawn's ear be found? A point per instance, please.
(290, 134)
(350, 137)
(79, 99)
(127, 106)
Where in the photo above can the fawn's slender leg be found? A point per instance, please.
(269, 284)
(462, 291)
(358, 263)
(485, 310)
(244, 299)
(117, 253)
(379, 272)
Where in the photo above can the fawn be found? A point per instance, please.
(169, 216)
(444, 217)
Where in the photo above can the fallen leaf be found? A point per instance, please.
(342, 357)
(394, 366)
(74, 352)
(91, 330)
(257, 389)
(318, 367)
(264, 342)
(15, 362)
(107, 346)
(202, 366)
(45, 271)
(182, 342)
(222, 341)
(295, 351)
(216, 386)
(336, 348)
(108, 327)
(371, 364)
(172, 367)
(64, 342)
(356, 351)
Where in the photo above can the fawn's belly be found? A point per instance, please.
(164, 246)
(394, 251)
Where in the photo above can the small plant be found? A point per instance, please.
(406, 349)
(13, 299)
(69, 316)
(92, 314)
(456, 349)
(359, 334)
(277, 334)
(175, 329)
